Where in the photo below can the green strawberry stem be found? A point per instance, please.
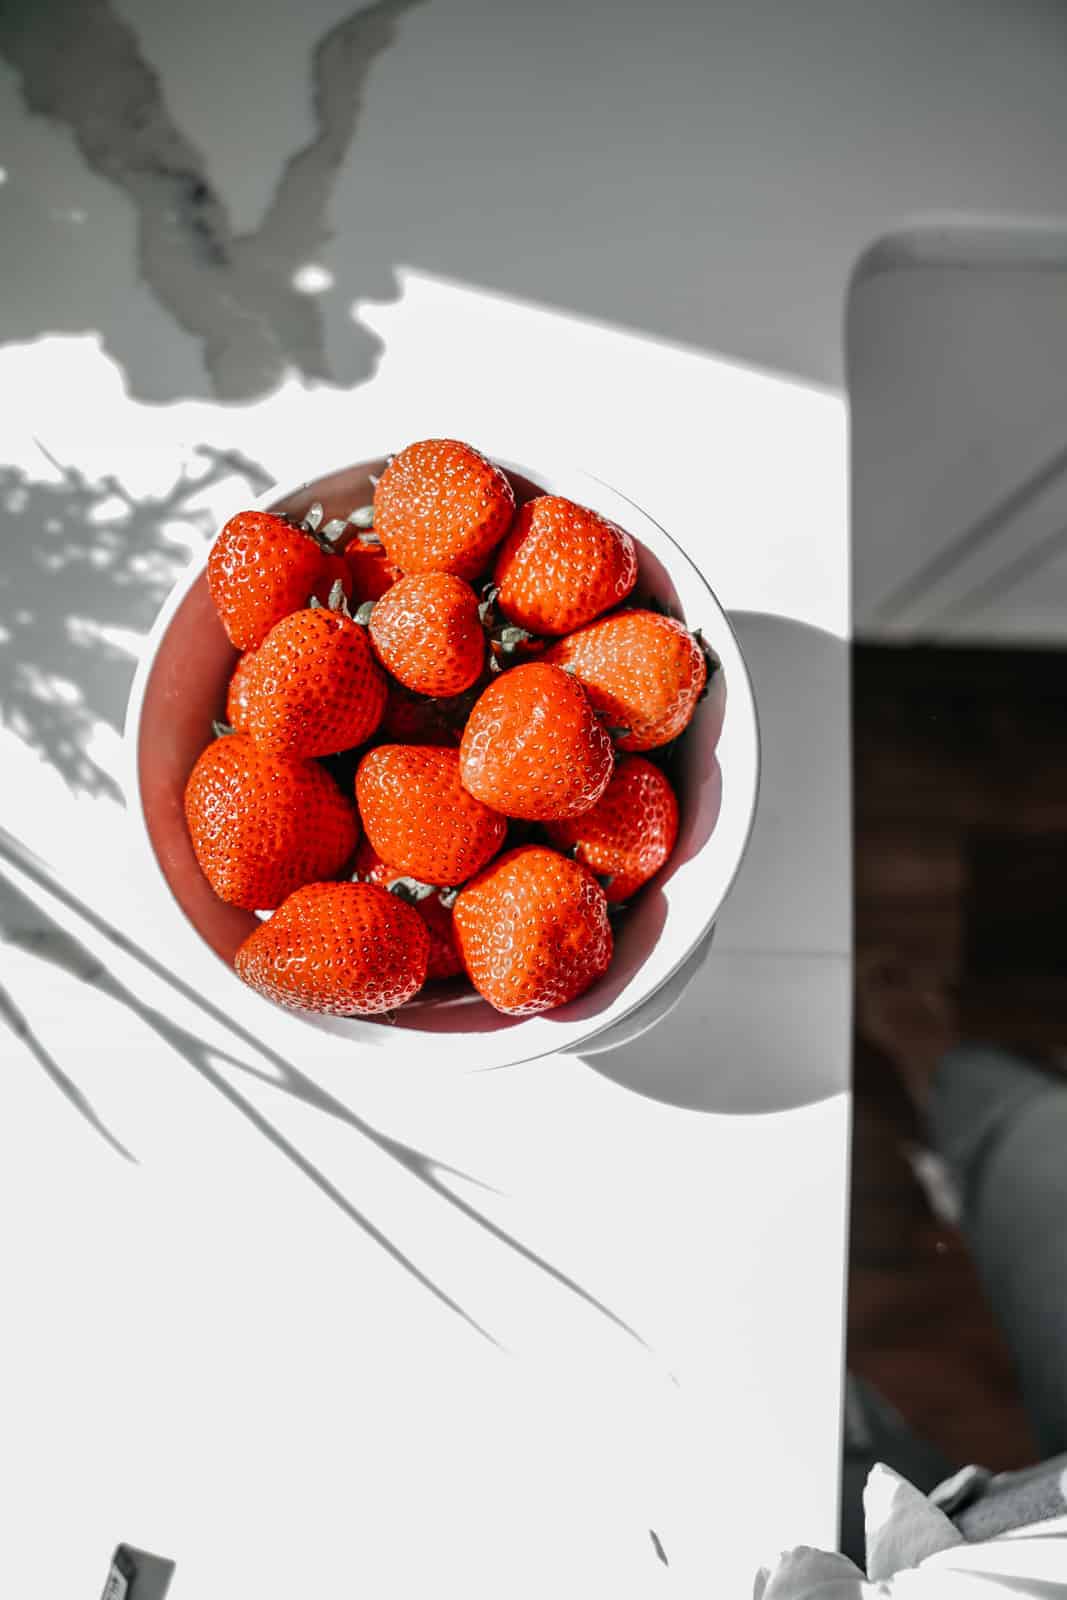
(504, 637)
(336, 601)
(324, 537)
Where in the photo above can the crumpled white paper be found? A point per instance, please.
(915, 1553)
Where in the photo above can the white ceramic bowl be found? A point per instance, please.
(181, 685)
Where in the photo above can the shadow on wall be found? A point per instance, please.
(84, 566)
(80, 65)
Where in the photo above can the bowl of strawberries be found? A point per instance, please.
(447, 753)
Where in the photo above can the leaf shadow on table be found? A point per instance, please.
(238, 296)
(763, 1026)
(86, 566)
(26, 923)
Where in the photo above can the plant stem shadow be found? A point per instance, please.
(52, 943)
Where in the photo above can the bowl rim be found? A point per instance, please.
(250, 1008)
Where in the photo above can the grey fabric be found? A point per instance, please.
(1001, 1123)
(1013, 1500)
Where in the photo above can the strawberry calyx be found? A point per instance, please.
(221, 729)
(411, 890)
(362, 519)
(328, 535)
(505, 638)
(311, 526)
(336, 601)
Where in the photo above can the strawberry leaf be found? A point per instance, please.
(412, 890)
(312, 517)
(362, 616)
(221, 729)
(362, 517)
(333, 529)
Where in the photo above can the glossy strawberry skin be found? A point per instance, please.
(562, 565)
(263, 824)
(420, 819)
(533, 931)
(347, 949)
(533, 747)
(441, 506)
(427, 633)
(642, 671)
(261, 568)
(237, 692)
(630, 832)
(313, 686)
(444, 960)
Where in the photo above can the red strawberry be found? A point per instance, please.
(411, 721)
(533, 747)
(351, 949)
(533, 930)
(440, 506)
(237, 693)
(426, 631)
(445, 960)
(643, 672)
(262, 824)
(562, 565)
(630, 831)
(371, 571)
(313, 687)
(420, 819)
(261, 568)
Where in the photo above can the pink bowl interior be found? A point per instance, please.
(186, 689)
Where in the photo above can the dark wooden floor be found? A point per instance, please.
(961, 872)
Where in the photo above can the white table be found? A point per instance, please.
(620, 1304)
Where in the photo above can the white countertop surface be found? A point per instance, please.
(375, 1334)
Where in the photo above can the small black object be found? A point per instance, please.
(137, 1575)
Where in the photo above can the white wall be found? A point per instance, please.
(958, 388)
(705, 172)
